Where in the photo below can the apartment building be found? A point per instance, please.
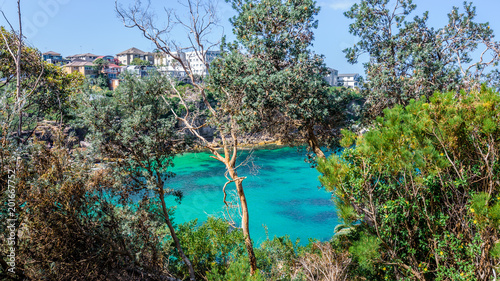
(54, 58)
(84, 67)
(112, 71)
(126, 57)
(194, 60)
(88, 57)
(332, 77)
(350, 80)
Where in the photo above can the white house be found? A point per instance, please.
(194, 60)
(83, 57)
(350, 80)
(126, 57)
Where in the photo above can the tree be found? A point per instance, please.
(70, 225)
(270, 79)
(138, 61)
(100, 64)
(17, 57)
(201, 21)
(423, 183)
(45, 90)
(102, 79)
(134, 129)
(408, 59)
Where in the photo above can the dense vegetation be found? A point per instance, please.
(83, 169)
(423, 185)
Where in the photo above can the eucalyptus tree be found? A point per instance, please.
(133, 133)
(270, 79)
(409, 59)
(45, 91)
(201, 21)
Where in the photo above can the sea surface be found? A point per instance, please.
(282, 191)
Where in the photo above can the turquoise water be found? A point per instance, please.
(282, 193)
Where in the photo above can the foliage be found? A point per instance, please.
(269, 79)
(68, 227)
(133, 129)
(138, 61)
(30, 59)
(218, 253)
(365, 250)
(46, 90)
(212, 247)
(133, 132)
(56, 93)
(102, 79)
(238, 270)
(424, 182)
(408, 59)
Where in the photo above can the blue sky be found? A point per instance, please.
(80, 26)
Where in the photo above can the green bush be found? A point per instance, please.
(211, 247)
(425, 182)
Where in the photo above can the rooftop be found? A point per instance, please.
(132, 51)
(51, 53)
(80, 63)
(83, 55)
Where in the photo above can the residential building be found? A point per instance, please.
(88, 57)
(350, 80)
(126, 57)
(114, 83)
(111, 59)
(84, 67)
(54, 58)
(112, 71)
(332, 77)
(51, 56)
(167, 64)
(139, 70)
(195, 60)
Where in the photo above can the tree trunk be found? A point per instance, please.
(18, 72)
(312, 140)
(244, 220)
(174, 236)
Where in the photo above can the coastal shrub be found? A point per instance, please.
(281, 258)
(323, 261)
(133, 133)
(424, 183)
(278, 257)
(212, 247)
(238, 270)
(67, 228)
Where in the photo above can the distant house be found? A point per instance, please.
(54, 58)
(84, 57)
(167, 65)
(350, 80)
(126, 57)
(140, 70)
(112, 71)
(332, 77)
(194, 60)
(84, 67)
(114, 83)
(111, 59)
